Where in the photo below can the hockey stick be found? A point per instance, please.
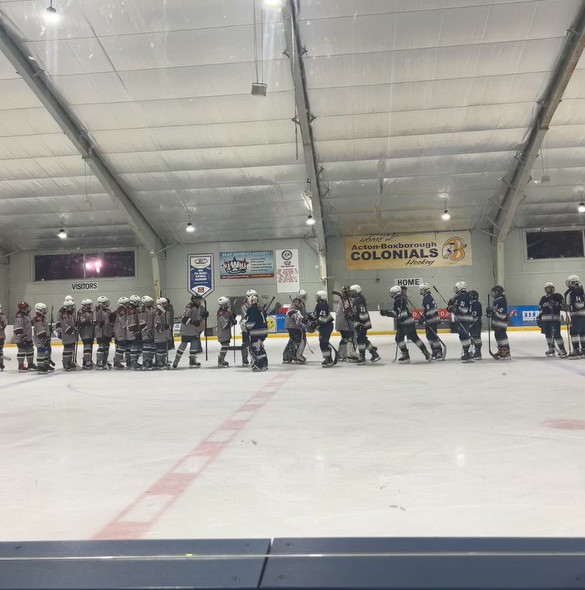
(206, 322)
(265, 308)
(569, 342)
(49, 348)
(443, 345)
(492, 354)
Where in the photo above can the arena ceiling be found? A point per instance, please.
(412, 104)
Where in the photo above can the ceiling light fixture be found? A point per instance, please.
(446, 215)
(310, 220)
(62, 234)
(189, 228)
(581, 207)
(273, 3)
(51, 14)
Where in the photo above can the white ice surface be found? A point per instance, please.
(380, 450)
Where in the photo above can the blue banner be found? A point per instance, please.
(254, 264)
(200, 281)
(522, 315)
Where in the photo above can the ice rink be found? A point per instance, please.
(442, 449)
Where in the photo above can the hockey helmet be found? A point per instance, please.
(134, 300)
(302, 294)
(395, 291)
(497, 290)
(69, 304)
(251, 292)
(103, 301)
(549, 288)
(86, 302)
(572, 281)
(41, 308)
(24, 307)
(252, 299)
(196, 298)
(147, 301)
(223, 302)
(355, 289)
(321, 296)
(473, 295)
(123, 301)
(460, 286)
(424, 288)
(162, 303)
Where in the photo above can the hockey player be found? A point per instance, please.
(498, 312)
(324, 320)
(67, 330)
(147, 323)
(576, 305)
(86, 329)
(296, 317)
(344, 326)
(245, 334)
(23, 337)
(225, 321)
(3, 324)
(361, 322)
(430, 318)
(162, 330)
(405, 325)
(460, 306)
(549, 319)
(41, 337)
(133, 333)
(258, 329)
(118, 321)
(192, 325)
(103, 331)
(475, 327)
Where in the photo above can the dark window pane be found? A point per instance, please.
(109, 265)
(554, 244)
(55, 267)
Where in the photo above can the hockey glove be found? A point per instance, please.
(185, 320)
(203, 314)
(69, 330)
(489, 312)
(197, 323)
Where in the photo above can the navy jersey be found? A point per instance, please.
(577, 302)
(476, 312)
(256, 321)
(550, 307)
(403, 314)
(430, 310)
(500, 312)
(462, 307)
(322, 313)
(360, 311)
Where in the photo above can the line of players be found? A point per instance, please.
(139, 326)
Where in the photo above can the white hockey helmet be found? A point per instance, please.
(103, 300)
(460, 286)
(147, 301)
(41, 308)
(69, 298)
(424, 288)
(395, 291)
(69, 304)
(85, 302)
(223, 302)
(123, 301)
(321, 295)
(251, 292)
(252, 299)
(549, 288)
(572, 281)
(355, 289)
(302, 294)
(162, 303)
(134, 300)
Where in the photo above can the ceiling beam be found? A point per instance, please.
(34, 76)
(561, 75)
(294, 52)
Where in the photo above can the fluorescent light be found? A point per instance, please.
(446, 215)
(190, 228)
(62, 234)
(581, 207)
(310, 220)
(51, 15)
(273, 3)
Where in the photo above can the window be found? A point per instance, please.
(106, 265)
(554, 244)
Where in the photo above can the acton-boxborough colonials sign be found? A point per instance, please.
(380, 252)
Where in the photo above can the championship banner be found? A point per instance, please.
(256, 264)
(200, 280)
(288, 278)
(384, 252)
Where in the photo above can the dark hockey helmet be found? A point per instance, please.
(473, 295)
(196, 298)
(24, 307)
(497, 290)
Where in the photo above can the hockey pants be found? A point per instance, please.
(409, 331)
(324, 338)
(578, 332)
(294, 347)
(501, 336)
(25, 351)
(552, 333)
(195, 348)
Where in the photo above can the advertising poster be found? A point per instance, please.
(254, 264)
(200, 277)
(424, 250)
(288, 278)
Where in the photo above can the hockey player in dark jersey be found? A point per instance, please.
(475, 327)
(460, 306)
(118, 320)
(576, 305)
(225, 321)
(430, 318)
(147, 323)
(245, 335)
(549, 320)
(498, 312)
(324, 321)
(258, 329)
(67, 329)
(163, 320)
(103, 331)
(360, 317)
(41, 337)
(405, 325)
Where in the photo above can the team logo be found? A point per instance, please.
(236, 266)
(286, 254)
(454, 249)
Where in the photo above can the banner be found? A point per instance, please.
(287, 271)
(522, 316)
(200, 280)
(384, 252)
(256, 264)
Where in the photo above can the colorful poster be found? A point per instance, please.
(200, 279)
(424, 250)
(256, 264)
(288, 278)
(522, 316)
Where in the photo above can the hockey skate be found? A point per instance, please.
(466, 357)
(477, 355)
(427, 355)
(562, 353)
(222, 364)
(118, 365)
(327, 363)
(2, 366)
(503, 354)
(375, 356)
(193, 363)
(574, 354)
(438, 355)
(550, 352)
(245, 363)
(22, 368)
(404, 358)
